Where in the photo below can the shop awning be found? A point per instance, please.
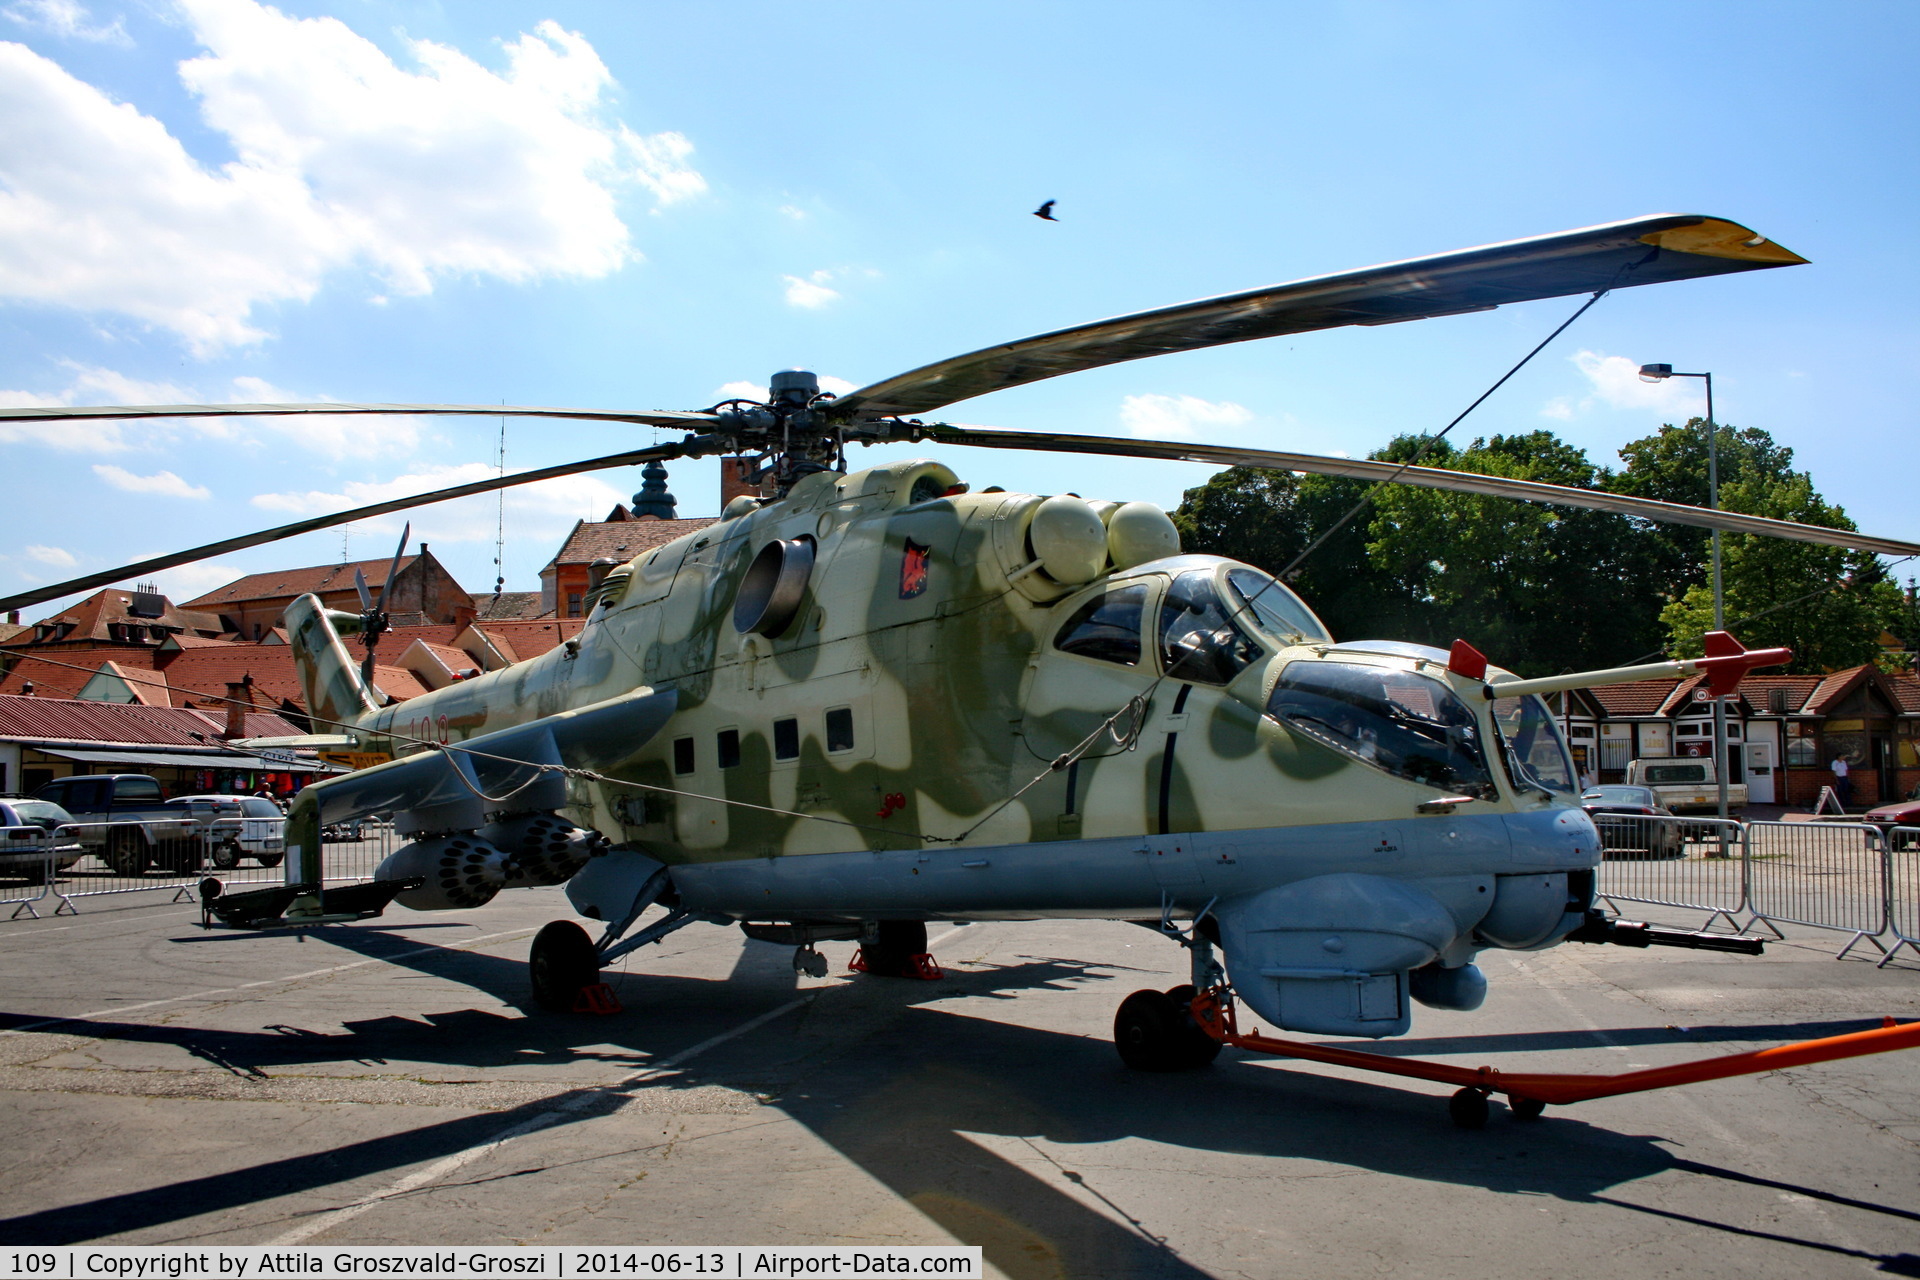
(188, 760)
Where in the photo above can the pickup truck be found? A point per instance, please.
(124, 820)
(1685, 783)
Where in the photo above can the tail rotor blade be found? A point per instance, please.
(366, 597)
(394, 568)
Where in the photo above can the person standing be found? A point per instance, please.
(1842, 784)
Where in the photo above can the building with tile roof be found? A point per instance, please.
(422, 591)
(568, 577)
(46, 738)
(1783, 731)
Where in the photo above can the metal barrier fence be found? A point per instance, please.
(1903, 889)
(32, 855)
(1829, 875)
(94, 859)
(1691, 863)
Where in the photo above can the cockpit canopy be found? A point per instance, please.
(1209, 618)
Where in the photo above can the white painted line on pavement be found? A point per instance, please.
(248, 986)
(576, 1101)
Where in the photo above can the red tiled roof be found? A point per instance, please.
(202, 675)
(509, 606)
(293, 582)
(91, 617)
(64, 720)
(621, 539)
(1906, 687)
(149, 688)
(1834, 687)
(1636, 698)
(54, 673)
(397, 683)
(520, 641)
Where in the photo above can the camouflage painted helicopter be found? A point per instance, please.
(875, 699)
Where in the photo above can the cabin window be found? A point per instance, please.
(729, 748)
(840, 729)
(1198, 640)
(1409, 725)
(683, 755)
(786, 739)
(1107, 627)
(1273, 608)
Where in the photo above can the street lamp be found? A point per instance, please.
(1660, 373)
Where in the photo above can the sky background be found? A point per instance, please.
(644, 206)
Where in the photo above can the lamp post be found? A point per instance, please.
(1660, 373)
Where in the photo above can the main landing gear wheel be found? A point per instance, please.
(562, 964)
(1526, 1108)
(1154, 1031)
(893, 953)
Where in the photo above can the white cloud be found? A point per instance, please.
(343, 159)
(58, 557)
(164, 482)
(811, 291)
(1156, 416)
(793, 211)
(337, 438)
(65, 18)
(534, 511)
(88, 385)
(757, 391)
(1614, 381)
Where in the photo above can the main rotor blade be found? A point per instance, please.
(1425, 477)
(632, 458)
(65, 413)
(1652, 250)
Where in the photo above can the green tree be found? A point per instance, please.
(1828, 605)
(1540, 589)
(1671, 466)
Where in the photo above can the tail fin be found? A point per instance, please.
(329, 678)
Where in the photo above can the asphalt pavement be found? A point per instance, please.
(390, 1082)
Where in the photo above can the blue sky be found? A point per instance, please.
(635, 205)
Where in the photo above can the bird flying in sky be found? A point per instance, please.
(1046, 211)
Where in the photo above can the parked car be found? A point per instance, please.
(24, 854)
(233, 827)
(123, 818)
(1900, 813)
(1685, 783)
(1633, 823)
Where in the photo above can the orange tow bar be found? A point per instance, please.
(1529, 1092)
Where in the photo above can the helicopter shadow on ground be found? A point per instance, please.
(903, 1102)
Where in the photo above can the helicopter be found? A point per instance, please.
(874, 698)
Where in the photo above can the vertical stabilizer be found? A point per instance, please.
(329, 677)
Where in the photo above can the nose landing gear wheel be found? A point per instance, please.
(1468, 1109)
(562, 964)
(1153, 1031)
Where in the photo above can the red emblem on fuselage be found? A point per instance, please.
(913, 570)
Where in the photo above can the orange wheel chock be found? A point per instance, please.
(922, 966)
(1215, 1016)
(598, 998)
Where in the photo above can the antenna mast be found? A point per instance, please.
(500, 517)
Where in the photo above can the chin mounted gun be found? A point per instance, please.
(1600, 927)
